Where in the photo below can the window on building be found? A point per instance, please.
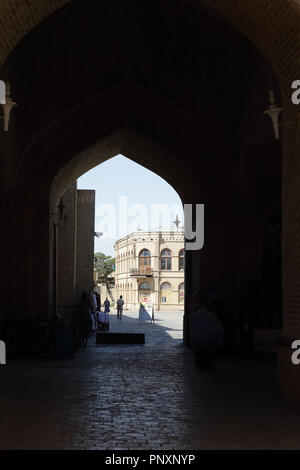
(165, 286)
(145, 261)
(166, 293)
(144, 286)
(181, 260)
(166, 259)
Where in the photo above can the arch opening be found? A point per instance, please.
(136, 247)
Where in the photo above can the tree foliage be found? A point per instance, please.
(104, 265)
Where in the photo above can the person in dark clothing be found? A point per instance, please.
(120, 304)
(98, 301)
(207, 332)
(106, 306)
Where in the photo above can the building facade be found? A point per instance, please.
(150, 267)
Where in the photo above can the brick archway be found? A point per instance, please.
(258, 20)
(274, 29)
(61, 130)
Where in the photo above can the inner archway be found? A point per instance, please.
(134, 227)
(142, 149)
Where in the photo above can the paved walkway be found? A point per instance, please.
(142, 397)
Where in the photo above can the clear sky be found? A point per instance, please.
(129, 197)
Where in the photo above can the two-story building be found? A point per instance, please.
(150, 266)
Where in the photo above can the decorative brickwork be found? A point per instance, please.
(17, 18)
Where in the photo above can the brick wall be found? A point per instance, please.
(259, 20)
(66, 252)
(18, 18)
(85, 241)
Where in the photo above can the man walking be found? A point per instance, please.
(120, 303)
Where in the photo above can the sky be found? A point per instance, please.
(129, 197)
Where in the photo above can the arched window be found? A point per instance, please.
(166, 259)
(145, 261)
(181, 293)
(144, 286)
(181, 260)
(145, 253)
(166, 293)
(166, 286)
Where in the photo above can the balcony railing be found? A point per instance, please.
(141, 271)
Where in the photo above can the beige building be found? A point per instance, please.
(150, 266)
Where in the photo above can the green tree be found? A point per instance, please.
(105, 265)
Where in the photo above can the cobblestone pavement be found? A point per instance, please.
(142, 397)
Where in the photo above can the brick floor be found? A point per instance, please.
(143, 397)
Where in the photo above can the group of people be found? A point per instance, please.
(207, 332)
(90, 317)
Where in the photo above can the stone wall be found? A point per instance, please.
(85, 241)
(67, 232)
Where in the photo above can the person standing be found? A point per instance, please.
(93, 307)
(106, 305)
(104, 316)
(120, 303)
(94, 301)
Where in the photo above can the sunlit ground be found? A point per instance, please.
(167, 326)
